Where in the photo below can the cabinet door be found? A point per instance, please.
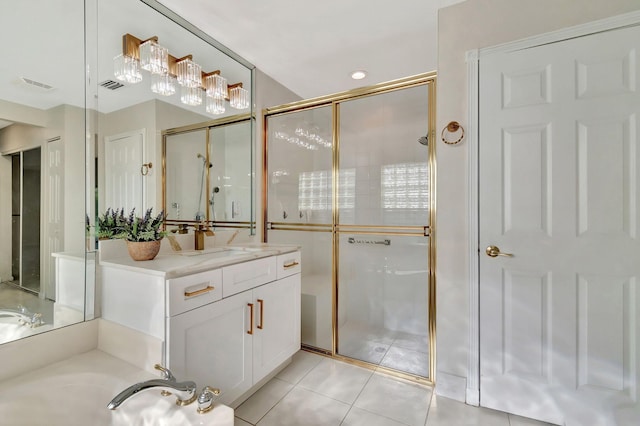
(277, 335)
(211, 346)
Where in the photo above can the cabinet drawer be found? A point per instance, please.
(192, 291)
(289, 264)
(247, 275)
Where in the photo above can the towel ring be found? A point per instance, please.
(452, 127)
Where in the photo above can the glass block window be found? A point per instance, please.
(314, 190)
(405, 186)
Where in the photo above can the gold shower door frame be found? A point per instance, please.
(427, 79)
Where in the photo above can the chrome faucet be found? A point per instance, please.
(24, 316)
(185, 391)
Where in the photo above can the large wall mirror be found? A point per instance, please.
(208, 177)
(75, 140)
(42, 169)
(136, 115)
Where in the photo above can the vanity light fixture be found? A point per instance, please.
(215, 105)
(127, 69)
(163, 84)
(191, 95)
(358, 75)
(238, 97)
(216, 85)
(189, 73)
(167, 72)
(153, 57)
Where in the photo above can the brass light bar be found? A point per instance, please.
(131, 48)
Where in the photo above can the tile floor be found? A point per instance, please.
(397, 350)
(315, 390)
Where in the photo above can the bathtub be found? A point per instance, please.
(76, 392)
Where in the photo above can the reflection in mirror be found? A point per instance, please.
(207, 172)
(42, 174)
(136, 105)
(61, 108)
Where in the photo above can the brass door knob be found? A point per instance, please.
(493, 251)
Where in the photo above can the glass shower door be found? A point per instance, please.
(300, 211)
(382, 228)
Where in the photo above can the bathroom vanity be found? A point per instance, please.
(228, 316)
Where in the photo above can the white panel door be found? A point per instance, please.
(559, 189)
(53, 213)
(123, 178)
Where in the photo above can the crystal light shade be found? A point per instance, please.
(164, 84)
(215, 105)
(154, 58)
(216, 86)
(191, 96)
(127, 69)
(189, 73)
(239, 98)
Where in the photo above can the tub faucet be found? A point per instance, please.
(185, 391)
(24, 316)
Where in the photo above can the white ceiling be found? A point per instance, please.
(312, 47)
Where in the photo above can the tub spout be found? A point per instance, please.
(185, 391)
(24, 316)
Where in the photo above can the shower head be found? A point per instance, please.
(423, 140)
(204, 160)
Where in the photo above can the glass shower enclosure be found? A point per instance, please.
(349, 179)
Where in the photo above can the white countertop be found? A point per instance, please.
(172, 264)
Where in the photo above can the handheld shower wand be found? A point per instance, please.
(199, 214)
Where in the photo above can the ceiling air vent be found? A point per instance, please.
(111, 85)
(36, 84)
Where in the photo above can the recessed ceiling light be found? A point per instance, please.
(358, 75)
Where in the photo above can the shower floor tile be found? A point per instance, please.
(407, 360)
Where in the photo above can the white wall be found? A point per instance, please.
(466, 26)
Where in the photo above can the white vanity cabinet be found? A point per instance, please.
(228, 327)
(234, 343)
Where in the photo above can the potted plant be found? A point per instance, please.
(143, 234)
(111, 224)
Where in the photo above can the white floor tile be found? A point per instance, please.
(301, 364)
(337, 380)
(396, 399)
(303, 407)
(414, 342)
(447, 412)
(523, 421)
(407, 360)
(359, 417)
(259, 404)
(240, 422)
